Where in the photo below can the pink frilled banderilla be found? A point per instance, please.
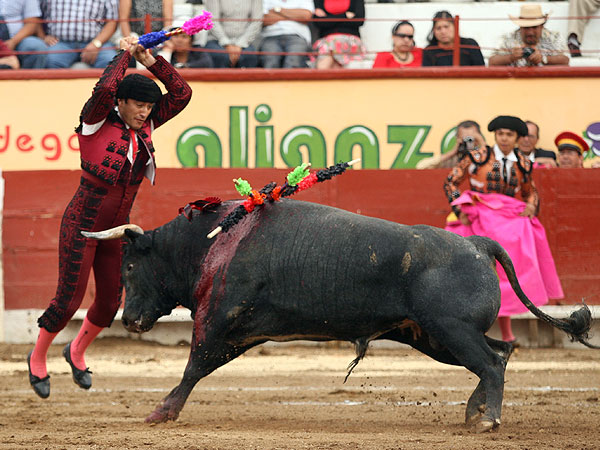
(190, 27)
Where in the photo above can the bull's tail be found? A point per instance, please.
(577, 325)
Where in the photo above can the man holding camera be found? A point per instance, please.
(532, 44)
(468, 137)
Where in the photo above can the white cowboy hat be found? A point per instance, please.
(531, 16)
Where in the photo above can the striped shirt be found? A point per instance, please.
(241, 31)
(77, 20)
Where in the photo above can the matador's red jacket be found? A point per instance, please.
(104, 153)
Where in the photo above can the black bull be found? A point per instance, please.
(298, 270)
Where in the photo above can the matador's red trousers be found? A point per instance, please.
(95, 206)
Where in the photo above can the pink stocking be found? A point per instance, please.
(506, 329)
(87, 334)
(37, 362)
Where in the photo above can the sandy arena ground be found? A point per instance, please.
(293, 397)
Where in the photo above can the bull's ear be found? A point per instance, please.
(139, 240)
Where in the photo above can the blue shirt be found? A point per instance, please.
(14, 11)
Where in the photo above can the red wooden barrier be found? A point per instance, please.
(35, 200)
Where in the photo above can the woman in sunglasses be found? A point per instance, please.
(440, 50)
(404, 53)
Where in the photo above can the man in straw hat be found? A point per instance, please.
(532, 44)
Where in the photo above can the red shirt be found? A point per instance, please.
(386, 59)
(4, 50)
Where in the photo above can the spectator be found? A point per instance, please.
(571, 148)
(490, 208)
(404, 53)
(236, 26)
(579, 15)
(527, 145)
(440, 50)
(20, 31)
(137, 9)
(84, 26)
(179, 51)
(468, 137)
(286, 30)
(338, 40)
(532, 44)
(8, 60)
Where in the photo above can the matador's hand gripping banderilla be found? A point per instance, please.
(190, 27)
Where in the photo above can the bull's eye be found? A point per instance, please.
(129, 267)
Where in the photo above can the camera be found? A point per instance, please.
(467, 144)
(527, 52)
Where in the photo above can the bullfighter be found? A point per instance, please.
(497, 176)
(114, 132)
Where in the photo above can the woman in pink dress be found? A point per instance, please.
(404, 53)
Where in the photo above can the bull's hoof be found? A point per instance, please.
(160, 415)
(486, 425)
(472, 420)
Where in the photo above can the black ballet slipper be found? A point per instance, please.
(82, 378)
(41, 386)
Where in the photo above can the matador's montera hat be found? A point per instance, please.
(139, 87)
(510, 123)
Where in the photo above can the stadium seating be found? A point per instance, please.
(484, 21)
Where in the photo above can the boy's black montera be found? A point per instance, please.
(298, 270)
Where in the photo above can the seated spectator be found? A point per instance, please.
(468, 137)
(440, 50)
(137, 9)
(132, 14)
(571, 148)
(286, 31)
(8, 60)
(527, 145)
(82, 26)
(19, 33)
(404, 53)
(532, 44)
(490, 207)
(179, 51)
(579, 15)
(236, 26)
(338, 40)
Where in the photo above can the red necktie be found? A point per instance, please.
(134, 142)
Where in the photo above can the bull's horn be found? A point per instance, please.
(113, 233)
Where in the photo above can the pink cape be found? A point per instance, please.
(497, 217)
